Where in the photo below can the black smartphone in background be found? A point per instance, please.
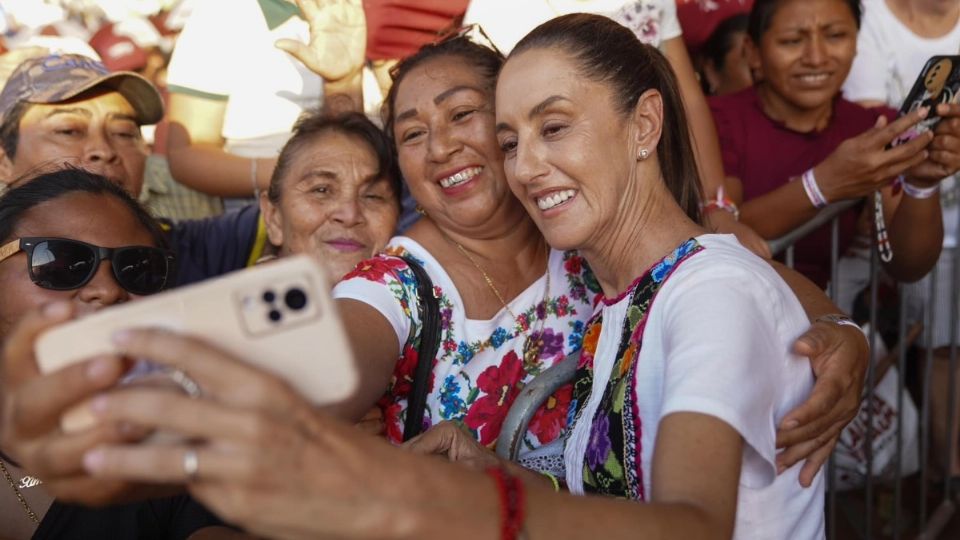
(938, 82)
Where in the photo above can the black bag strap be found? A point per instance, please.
(429, 309)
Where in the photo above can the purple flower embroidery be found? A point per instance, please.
(599, 446)
(551, 343)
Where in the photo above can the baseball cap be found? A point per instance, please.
(60, 77)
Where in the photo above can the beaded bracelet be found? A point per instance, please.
(813, 190)
(511, 492)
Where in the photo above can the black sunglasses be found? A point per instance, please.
(61, 264)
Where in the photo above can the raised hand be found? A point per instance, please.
(338, 38)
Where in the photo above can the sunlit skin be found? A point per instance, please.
(562, 132)
(444, 125)
(97, 133)
(95, 219)
(803, 59)
(333, 204)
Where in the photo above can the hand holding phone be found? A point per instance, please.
(278, 317)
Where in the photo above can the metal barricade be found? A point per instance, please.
(913, 521)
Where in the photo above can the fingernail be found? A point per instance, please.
(99, 368)
(122, 337)
(99, 404)
(94, 460)
(790, 424)
(57, 309)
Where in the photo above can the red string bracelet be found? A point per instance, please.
(511, 492)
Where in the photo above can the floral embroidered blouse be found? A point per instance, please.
(481, 365)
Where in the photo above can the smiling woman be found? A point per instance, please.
(335, 192)
(796, 144)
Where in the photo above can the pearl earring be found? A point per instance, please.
(642, 155)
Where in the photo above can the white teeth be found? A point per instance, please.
(555, 198)
(820, 77)
(460, 177)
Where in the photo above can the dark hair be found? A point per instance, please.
(609, 53)
(763, 11)
(487, 61)
(716, 47)
(10, 128)
(53, 185)
(315, 123)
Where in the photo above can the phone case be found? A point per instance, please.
(938, 82)
(278, 316)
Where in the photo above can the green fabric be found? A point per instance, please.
(175, 89)
(277, 12)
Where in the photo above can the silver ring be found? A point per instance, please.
(191, 464)
(185, 382)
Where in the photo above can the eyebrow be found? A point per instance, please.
(535, 111)
(69, 110)
(440, 98)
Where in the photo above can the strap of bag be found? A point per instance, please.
(429, 309)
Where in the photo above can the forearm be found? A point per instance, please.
(211, 170)
(778, 212)
(814, 301)
(916, 237)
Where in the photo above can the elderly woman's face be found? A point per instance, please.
(806, 54)
(334, 203)
(567, 149)
(445, 142)
(95, 219)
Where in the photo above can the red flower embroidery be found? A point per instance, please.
(391, 418)
(376, 268)
(404, 371)
(500, 388)
(574, 264)
(550, 419)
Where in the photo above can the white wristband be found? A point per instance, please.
(915, 192)
(813, 190)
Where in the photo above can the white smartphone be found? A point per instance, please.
(278, 316)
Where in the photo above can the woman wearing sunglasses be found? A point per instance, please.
(74, 236)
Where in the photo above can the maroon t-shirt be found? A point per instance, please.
(764, 154)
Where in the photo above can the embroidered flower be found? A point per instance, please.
(499, 384)
(498, 337)
(377, 268)
(551, 419)
(450, 401)
(391, 419)
(550, 343)
(591, 337)
(628, 356)
(573, 264)
(599, 446)
(575, 337)
(562, 306)
(465, 352)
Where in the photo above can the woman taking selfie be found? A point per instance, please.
(595, 151)
(50, 232)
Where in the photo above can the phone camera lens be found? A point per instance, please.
(295, 299)
(275, 315)
(269, 297)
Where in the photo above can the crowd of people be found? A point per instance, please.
(570, 179)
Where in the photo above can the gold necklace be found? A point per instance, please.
(531, 352)
(23, 502)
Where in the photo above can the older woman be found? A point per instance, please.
(676, 400)
(335, 192)
(51, 230)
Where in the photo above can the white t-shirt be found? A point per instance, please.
(226, 53)
(653, 21)
(889, 59)
(481, 365)
(716, 341)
